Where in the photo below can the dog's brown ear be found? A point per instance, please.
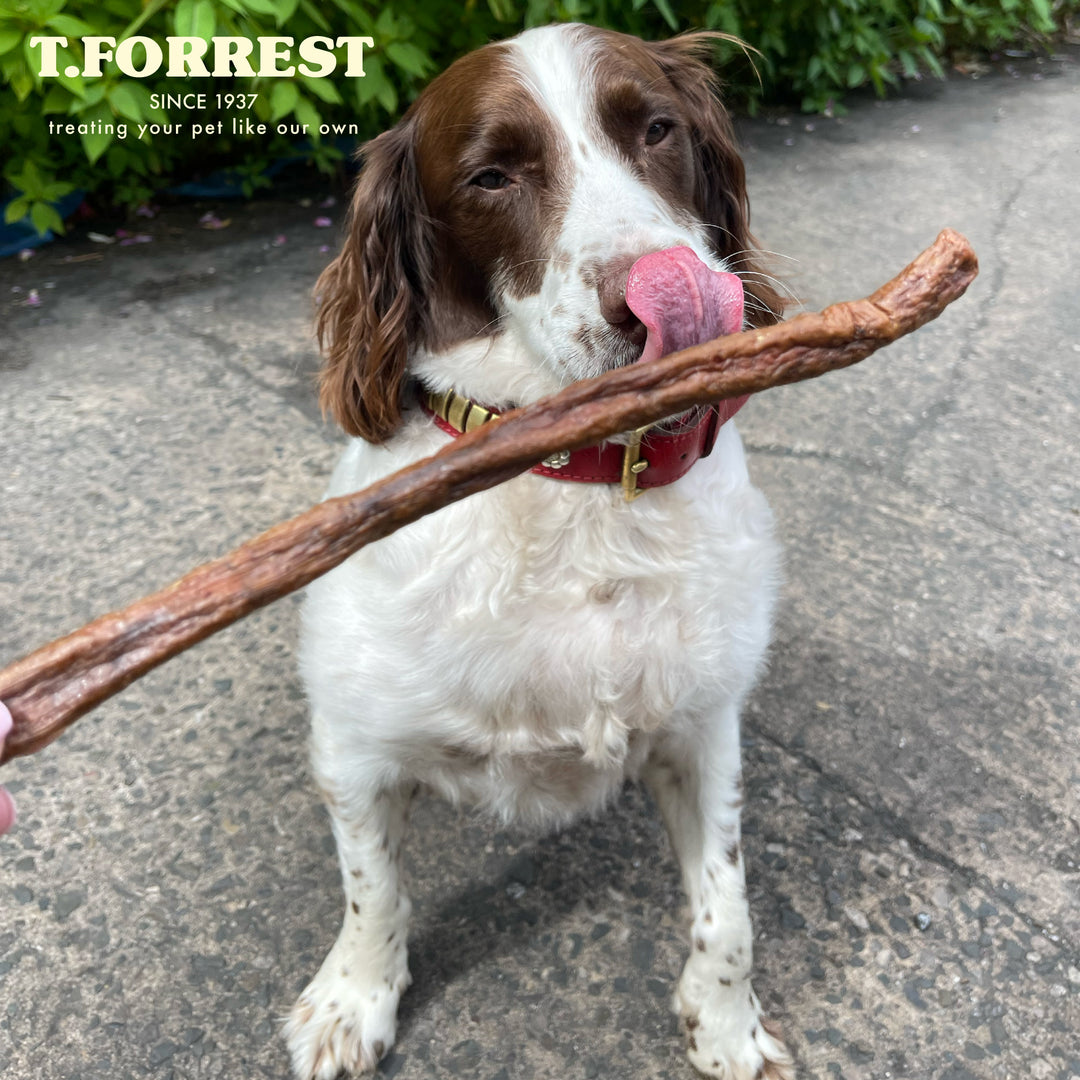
(372, 295)
(720, 179)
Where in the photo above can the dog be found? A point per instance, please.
(550, 207)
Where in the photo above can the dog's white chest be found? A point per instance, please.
(521, 648)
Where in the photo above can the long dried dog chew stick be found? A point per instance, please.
(55, 685)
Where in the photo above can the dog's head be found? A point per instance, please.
(512, 200)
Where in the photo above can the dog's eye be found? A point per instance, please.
(490, 180)
(657, 132)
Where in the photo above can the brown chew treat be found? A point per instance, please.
(55, 685)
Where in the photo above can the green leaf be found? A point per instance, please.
(44, 217)
(96, 143)
(149, 10)
(22, 83)
(306, 113)
(8, 40)
(184, 18)
(93, 93)
(283, 99)
(204, 20)
(408, 57)
(56, 100)
(856, 75)
(665, 10)
(125, 101)
(31, 181)
(323, 89)
(286, 9)
(41, 11)
(387, 96)
(56, 189)
(316, 16)
(368, 87)
(929, 31)
(263, 7)
(386, 25)
(16, 210)
(71, 27)
(65, 58)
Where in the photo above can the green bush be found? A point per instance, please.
(811, 51)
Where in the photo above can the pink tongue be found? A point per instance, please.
(681, 301)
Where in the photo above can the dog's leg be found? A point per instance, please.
(697, 785)
(346, 1018)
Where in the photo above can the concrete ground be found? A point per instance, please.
(913, 820)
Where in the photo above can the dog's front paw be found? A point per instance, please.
(727, 1037)
(343, 1023)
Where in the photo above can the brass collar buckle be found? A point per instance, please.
(633, 464)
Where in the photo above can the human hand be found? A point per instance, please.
(7, 804)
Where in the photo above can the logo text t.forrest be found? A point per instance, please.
(187, 56)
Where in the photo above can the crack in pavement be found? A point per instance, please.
(896, 825)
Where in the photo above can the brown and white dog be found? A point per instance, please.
(550, 207)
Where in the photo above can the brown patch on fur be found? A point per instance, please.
(732, 854)
(777, 1069)
(462, 755)
(699, 944)
(370, 296)
(691, 1023)
(327, 795)
(478, 115)
(724, 982)
(356, 908)
(692, 1043)
(423, 244)
(773, 1028)
(696, 166)
(740, 793)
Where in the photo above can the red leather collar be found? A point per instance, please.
(667, 455)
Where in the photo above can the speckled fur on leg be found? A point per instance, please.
(346, 1018)
(699, 790)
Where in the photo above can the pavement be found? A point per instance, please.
(913, 813)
